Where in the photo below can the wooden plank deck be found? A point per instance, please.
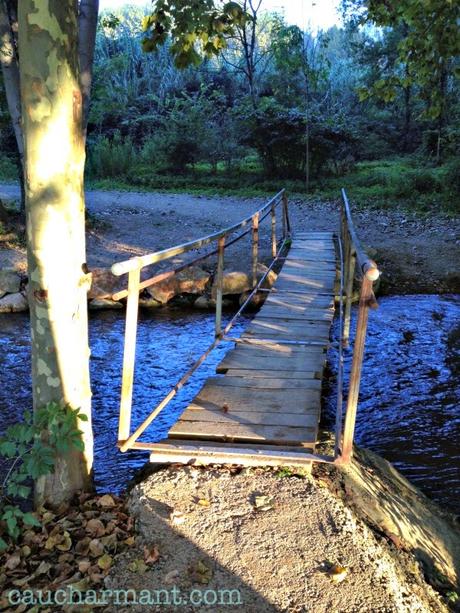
(266, 407)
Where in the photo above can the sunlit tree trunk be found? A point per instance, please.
(53, 163)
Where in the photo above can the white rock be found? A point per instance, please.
(13, 303)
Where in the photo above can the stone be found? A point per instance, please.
(234, 282)
(202, 302)
(192, 280)
(270, 279)
(149, 303)
(256, 301)
(104, 303)
(14, 303)
(10, 281)
(104, 283)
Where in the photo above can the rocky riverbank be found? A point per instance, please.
(416, 254)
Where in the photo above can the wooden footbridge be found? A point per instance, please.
(264, 405)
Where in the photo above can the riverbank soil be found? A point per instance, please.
(284, 542)
(416, 255)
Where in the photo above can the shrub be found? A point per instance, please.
(415, 182)
(31, 455)
(111, 157)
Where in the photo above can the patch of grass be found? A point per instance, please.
(398, 182)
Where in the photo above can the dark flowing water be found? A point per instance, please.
(409, 402)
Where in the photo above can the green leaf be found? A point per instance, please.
(30, 520)
(8, 449)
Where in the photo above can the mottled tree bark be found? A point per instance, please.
(53, 162)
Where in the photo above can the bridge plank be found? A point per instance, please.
(252, 418)
(255, 382)
(241, 432)
(256, 399)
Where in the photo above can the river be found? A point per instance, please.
(409, 401)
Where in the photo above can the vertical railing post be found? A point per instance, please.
(273, 231)
(283, 218)
(365, 298)
(350, 263)
(286, 215)
(129, 354)
(255, 247)
(219, 284)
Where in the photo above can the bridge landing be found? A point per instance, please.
(265, 408)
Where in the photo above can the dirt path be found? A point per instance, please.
(267, 540)
(416, 255)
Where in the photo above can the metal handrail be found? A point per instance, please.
(121, 268)
(134, 266)
(367, 266)
(352, 252)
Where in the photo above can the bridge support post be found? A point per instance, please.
(273, 231)
(255, 247)
(350, 263)
(365, 299)
(129, 354)
(219, 284)
(286, 223)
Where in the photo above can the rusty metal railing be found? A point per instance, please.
(133, 267)
(354, 261)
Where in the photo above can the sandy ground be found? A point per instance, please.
(209, 535)
(416, 255)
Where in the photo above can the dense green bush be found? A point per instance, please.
(111, 157)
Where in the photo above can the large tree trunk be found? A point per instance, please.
(10, 71)
(87, 26)
(53, 162)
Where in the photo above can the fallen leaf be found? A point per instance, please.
(84, 565)
(96, 548)
(80, 586)
(151, 554)
(47, 517)
(105, 561)
(66, 542)
(106, 501)
(137, 566)
(82, 547)
(337, 573)
(203, 502)
(200, 572)
(26, 551)
(13, 561)
(95, 527)
(110, 541)
(171, 577)
(43, 568)
(263, 503)
(130, 541)
(177, 518)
